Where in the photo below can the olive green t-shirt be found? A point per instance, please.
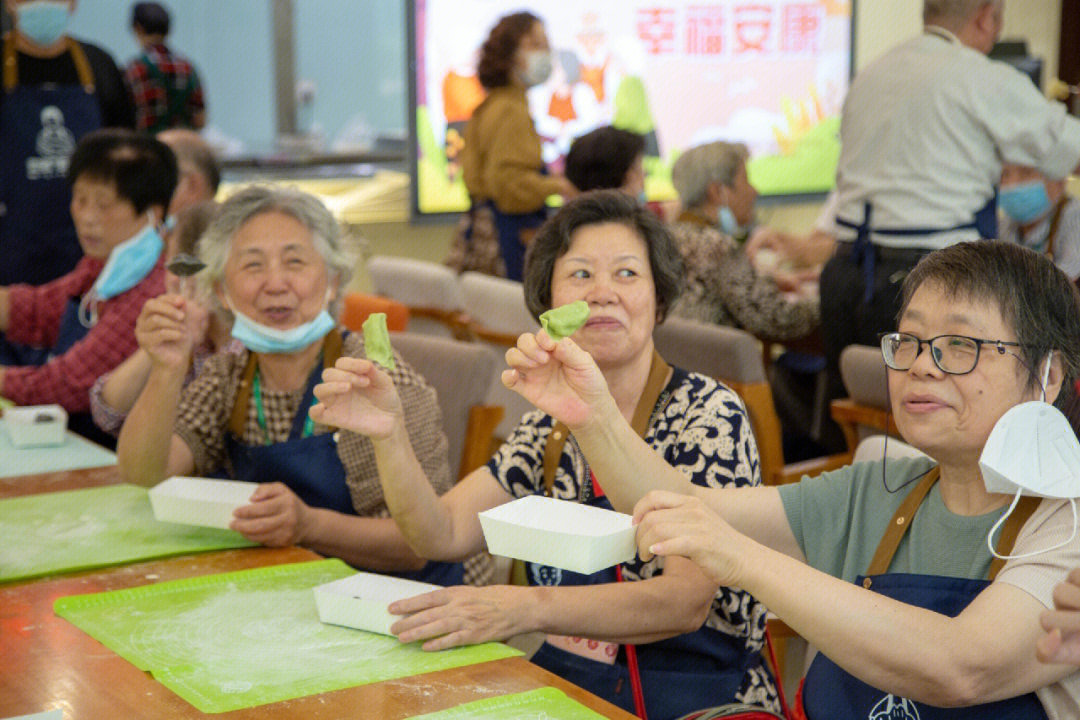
(838, 519)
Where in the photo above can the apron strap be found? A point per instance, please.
(650, 396)
(82, 65)
(78, 57)
(332, 348)
(901, 521)
(1054, 222)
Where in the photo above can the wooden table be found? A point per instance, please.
(47, 663)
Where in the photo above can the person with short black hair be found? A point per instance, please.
(55, 90)
(165, 89)
(607, 158)
(59, 337)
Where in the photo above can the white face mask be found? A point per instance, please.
(537, 67)
(1032, 451)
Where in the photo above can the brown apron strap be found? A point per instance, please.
(899, 524)
(1054, 222)
(654, 385)
(904, 514)
(11, 63)
(82, 65)
(1010, 530)
(332, 347)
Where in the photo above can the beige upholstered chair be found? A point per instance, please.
(497, 315)
(733, 356)
(461, 373)
(866, 409)
(429, 290)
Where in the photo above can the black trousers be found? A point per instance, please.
(846, 319)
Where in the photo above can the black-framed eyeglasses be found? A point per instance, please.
(952, 354)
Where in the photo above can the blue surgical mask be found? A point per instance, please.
(263, 339)
(642, 198)
(728, 224)
(1025, 202)
(43, 21)
(537, 68)
(128, 265)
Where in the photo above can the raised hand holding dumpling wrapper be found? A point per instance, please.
(564, 320)
(377, 341)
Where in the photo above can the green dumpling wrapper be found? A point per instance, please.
(564, 320)
(377, 341)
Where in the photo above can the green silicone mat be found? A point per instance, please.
(98, 527)
(236, 640)
(541, 704)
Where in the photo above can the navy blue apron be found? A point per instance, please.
(309, 466)
(40, 126)
(862, 250)
(509, 227)
(679, 675)
(830, 693)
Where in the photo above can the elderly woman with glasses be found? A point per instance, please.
(885, 567)
(276, 263)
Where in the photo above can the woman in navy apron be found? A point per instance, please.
(276, 262)
(885, 567)
(502, 163)
(650, 638)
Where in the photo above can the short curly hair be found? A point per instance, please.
(497, 52)
(553, 239)
(600, 159)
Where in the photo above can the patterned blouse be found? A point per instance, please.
(702, 430)
(722, 286)
(206, 406)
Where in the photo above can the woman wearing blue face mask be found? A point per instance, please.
(722, 286)
(501, 162)
(1039, 214)
(276, 262)
(55, 90)
(884, 567)
(58, 338)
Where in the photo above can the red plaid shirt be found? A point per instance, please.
(35, 314)
(150, 95)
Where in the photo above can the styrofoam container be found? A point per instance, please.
(563, 534)
(199, 501)
(359, 601)
(36, 425)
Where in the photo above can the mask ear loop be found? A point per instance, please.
(1046, 374)
(1008, 512)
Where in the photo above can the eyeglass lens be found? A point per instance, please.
(951, 353)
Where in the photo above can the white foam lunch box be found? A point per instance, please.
(563, 534)
(36, 425)
(359, 601)
(199, 501)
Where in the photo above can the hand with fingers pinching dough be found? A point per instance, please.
(168, 328)
(673, 524)
(1061, 643)
(559, 378)
(356, 395)
(274, 517)
(461, 615)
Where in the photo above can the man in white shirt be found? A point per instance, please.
(924, 132)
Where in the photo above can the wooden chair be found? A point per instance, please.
(733, 356)
(866, 409)
(358, 306)
(429, 290)
(460, 372)
(496, 312)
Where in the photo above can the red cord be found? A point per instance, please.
(631, 662)
(776, 674)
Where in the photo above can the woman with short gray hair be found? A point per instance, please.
(722, 286)
(275, 259)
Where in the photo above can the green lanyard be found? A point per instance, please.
(260, 414)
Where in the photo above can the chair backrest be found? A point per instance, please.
(461, 374)
(866, 409)
(497, 316)
(358, 306)
(873, 446)
(431, 292)
(496, 307)
(732, 356)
